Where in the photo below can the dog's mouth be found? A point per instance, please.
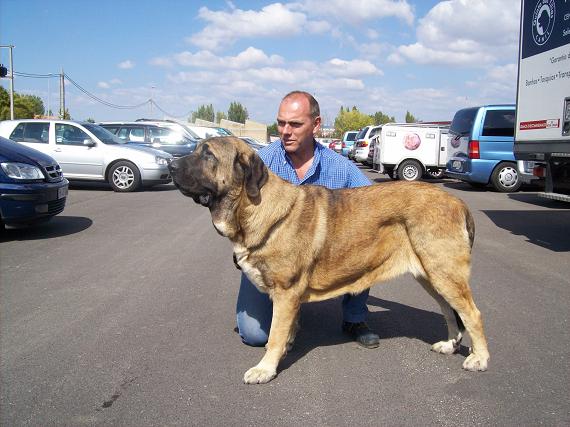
(204, 199)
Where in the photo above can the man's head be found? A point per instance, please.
(298, 119)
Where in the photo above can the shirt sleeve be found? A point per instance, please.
(355, 176)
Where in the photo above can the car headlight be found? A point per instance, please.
(161, 161)
(22, 171)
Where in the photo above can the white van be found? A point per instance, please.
(407, 151)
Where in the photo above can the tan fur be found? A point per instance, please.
(286, 239)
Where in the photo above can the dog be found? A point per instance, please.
(285, 237)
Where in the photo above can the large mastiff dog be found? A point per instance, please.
(285, 238)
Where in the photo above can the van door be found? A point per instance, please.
(497, 135)
(77, 160)
(443, 141)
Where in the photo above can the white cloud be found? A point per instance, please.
(109, 84)
(465, 32)
(126, 65)
(250, 57)
(356, 11)
(274, 20)
(356, 67)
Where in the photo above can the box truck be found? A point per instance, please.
(542, 132)
(408, 151)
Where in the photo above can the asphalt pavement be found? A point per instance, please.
(120, 311)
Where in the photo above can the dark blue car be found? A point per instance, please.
(32, 187)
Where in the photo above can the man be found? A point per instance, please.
(298, 159)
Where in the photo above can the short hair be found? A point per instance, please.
(314, 109)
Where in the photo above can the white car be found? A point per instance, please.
(363, 140)
(88, 152)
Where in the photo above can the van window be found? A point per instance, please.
(351, 136)
(362, 132)
(499, 123)
(375, 131)
(463, 121)
(31, 132)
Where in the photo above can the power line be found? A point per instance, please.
(95, 98)
(108, 104)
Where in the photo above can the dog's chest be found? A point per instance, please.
(249, 269)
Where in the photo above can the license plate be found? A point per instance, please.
(62, 192)
(456, 164)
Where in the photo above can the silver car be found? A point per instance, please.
(88, 152)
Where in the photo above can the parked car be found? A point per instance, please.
(480, 147)
(181, 127)
(160, 135)
(325, 142)
(336, 145)
(32, 186)
(207, 132)
(362, 144)
(253, 143)
(89, 152)
(348, 141)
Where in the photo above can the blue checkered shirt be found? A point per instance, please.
(329, 169)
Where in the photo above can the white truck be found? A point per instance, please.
(408, 151)
(542, 132)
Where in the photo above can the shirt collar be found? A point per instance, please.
(314, 166)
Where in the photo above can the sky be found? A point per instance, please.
(427, 57)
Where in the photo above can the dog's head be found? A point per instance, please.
(219, 167)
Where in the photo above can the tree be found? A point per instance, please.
(25, 106)
(351, 120)
(380, 118)
(410, 118)
(237, 113)
(220, 115)
(204, 112)
(272, 129)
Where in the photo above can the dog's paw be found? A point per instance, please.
(445, 347)
(257, 375)
(475, 362)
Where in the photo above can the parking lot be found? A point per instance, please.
(120, 311)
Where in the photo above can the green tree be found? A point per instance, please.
(351, 120)
(380, 118)
(272, 129)
(410, 118)
(204, 112)
(25, 106)
(237, 113)
(220, 115)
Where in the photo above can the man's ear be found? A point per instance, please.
(255, 174)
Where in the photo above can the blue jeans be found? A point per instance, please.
(254, 310)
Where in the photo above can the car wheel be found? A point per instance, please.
(505, 178)
(409, 170)
(124, 177)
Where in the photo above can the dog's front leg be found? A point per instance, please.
(285, 311)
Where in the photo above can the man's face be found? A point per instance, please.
(295, 125)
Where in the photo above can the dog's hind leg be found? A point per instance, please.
(455, 327)
(457, 295)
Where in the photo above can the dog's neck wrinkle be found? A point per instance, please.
(255, 230)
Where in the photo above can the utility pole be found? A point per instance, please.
(61, 95)
(11, 81)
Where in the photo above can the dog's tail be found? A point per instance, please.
(469, 227)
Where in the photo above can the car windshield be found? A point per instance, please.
(103, 134)
(463, 121)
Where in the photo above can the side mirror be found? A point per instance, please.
(89, 143)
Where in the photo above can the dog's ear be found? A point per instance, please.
(255, 174)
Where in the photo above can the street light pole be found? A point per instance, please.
(11, 81)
